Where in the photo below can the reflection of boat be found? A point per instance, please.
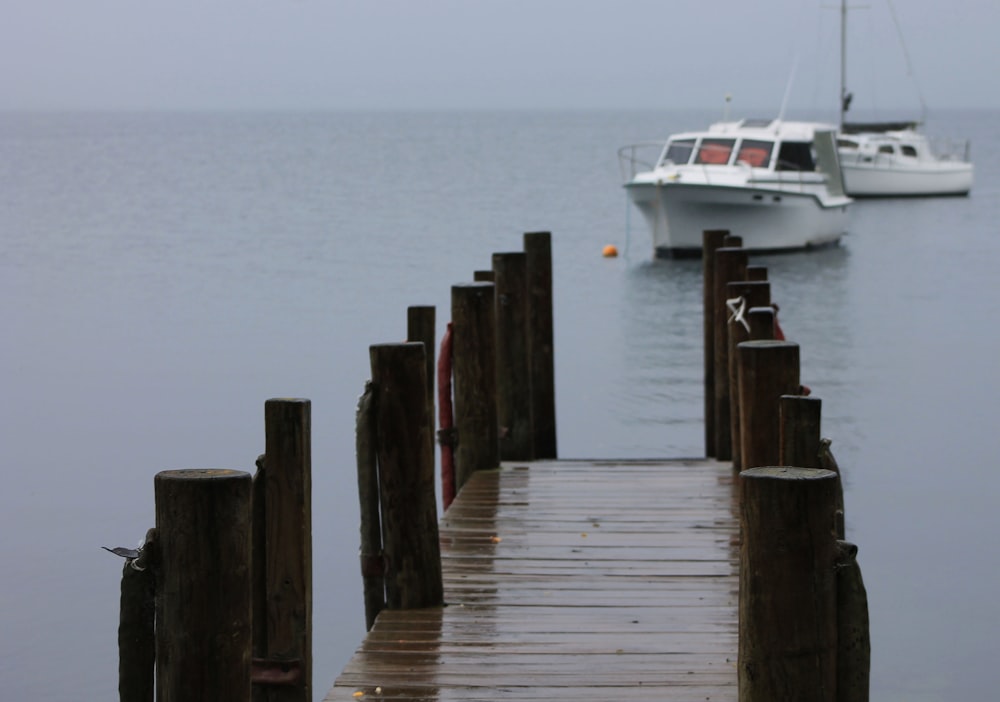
(774, 183)
(892, 159)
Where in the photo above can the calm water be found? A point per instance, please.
(162, 275)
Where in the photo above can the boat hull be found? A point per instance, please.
(939, 179)
(767, 220)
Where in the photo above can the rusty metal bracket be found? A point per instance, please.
(264, 671)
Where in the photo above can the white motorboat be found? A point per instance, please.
(893, 159)
(777, 184)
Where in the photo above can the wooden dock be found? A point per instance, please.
(582, 580)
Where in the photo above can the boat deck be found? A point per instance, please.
(571, 580)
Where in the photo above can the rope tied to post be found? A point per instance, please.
(738, 308)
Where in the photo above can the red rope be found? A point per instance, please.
(445, 421)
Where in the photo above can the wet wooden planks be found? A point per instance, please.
(571, 580)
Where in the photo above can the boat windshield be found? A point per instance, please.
(796, 156)
(755, 153)
(678, 152)
(715, 151)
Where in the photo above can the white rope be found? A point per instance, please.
(738, 307)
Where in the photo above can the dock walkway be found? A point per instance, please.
(571, 580)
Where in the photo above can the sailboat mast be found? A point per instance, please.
(843, 60)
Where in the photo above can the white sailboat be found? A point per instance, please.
(893, 159)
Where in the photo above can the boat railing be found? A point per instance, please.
(639, 158)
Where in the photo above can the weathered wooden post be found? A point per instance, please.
(420, 322)
(516, 434)
(799, 434)
(749, 294)
(711, 240)
(756, 272)
(203, 603)
(473, 320)
(761, 323)
(482, 276)
(730, 265)
(406, 477)
(136, 629)
(732, 242)
(372, 558)
(541, 347)
(767, 370)
(853, 638)
(788, 592)
(282, 666)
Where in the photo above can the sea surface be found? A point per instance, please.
(163, 274)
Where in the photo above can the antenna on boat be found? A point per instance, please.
(725, 110)
(788, 90)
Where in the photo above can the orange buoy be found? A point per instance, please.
(610, 251)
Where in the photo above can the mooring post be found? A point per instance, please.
(136, 628)
(516, 434)
(372, 558)
(799, 433)
(282, 666)
(473, 320)
(749, 294)
(482, 276)
(788, 589)
(420, 322)
(756, 272)
(853, 638)
(761, 323)
(730, 265)
(203, 608)
(711, 240)
(405, 453)
(732, 242)
(541, 345)
(767, 370)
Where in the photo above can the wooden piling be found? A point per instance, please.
(752, 294)
(203, 603)
(513, 381)
(761, 323)
(474, 369)
(541, 346)
(420, 322)
(853, 637)
(283, 659)
(788, 594)
(482, 276)
(767, 370)
(756, 272)
(799, 432)
(730, 265)
(372, 560)
(405, 453)
(136, 629)
(711, 240)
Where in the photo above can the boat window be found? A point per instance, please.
(886, 149)
(847, 143)
(755, 153)
(715, 151)
(679, 152)
(795, 156)
(908, 150)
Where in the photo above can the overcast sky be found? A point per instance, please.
(507, 54)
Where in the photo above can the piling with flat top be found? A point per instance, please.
(730, 265)
(756, 272)
(761, 321)
(473, 320)
(203, 608)
(799, 434)
(751, 293)
(513, 367)
(420, 321)
(283, 641)
(541, 348)
(372, 561)
(788, 593)
(482, 276)
(711, 240)
(767, 370)
(406, 477)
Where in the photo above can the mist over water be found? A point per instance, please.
(163, 274)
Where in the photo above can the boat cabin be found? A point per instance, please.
(753, 143)
(878, 147)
